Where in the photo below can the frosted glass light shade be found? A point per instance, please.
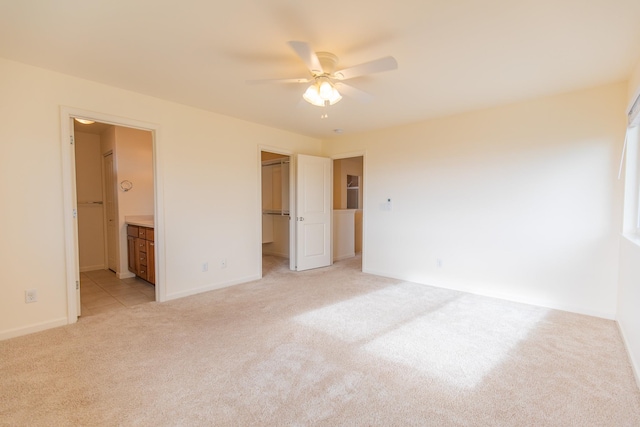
(322, 94)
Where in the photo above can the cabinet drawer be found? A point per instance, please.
(142, 245)
(142, 258)
(141, 232)
(132, 230)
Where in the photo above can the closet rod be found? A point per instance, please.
(279, 213)
(275, 162)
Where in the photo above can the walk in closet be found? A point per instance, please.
(275, 204)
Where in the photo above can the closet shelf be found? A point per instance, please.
(275, 212)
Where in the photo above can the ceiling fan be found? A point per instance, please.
(326, 80)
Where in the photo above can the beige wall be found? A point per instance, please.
(633, 88)
(519, 202)
(134, 163)
(208, 193)
(89, 189)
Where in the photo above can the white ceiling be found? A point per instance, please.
(453, 55)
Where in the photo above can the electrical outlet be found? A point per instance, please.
(223, 263)
(205, 267)
(30, 295)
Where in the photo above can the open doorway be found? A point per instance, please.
(114, 189)
(276, 172)
(348, 203)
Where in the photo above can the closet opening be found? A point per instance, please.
(275, 168)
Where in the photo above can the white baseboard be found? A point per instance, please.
(634, 365)
(38, 327)
(92, 268)
(344, 256)
(275, 253)
(507, 297)
(125, 275)
(211, 287)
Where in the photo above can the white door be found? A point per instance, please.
(313, 212)
(110, 212)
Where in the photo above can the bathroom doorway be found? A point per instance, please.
(114, 181)
(348, 208)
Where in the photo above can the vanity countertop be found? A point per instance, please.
(140, 220)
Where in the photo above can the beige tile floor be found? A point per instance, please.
(101, 292)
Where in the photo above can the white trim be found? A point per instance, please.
(634, 367)
(498, 295)
(275, 253)
(69, 190)
(38, 327)
(212, 287)
(105, 228)
(92, 267)
(635, 98)
(69, 205)
(624, 150)
(125, 275)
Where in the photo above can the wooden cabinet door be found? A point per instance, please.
(140, 254)
(151, 262)
(131, 254)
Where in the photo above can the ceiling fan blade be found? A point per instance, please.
(352, 92)
(262, 81)
(387, 63)
(308, 56)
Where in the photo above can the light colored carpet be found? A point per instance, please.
(327, 347)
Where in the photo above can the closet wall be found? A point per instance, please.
(275, 204)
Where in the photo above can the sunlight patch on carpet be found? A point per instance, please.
(449, 336)
(460, 343)
(367, 316)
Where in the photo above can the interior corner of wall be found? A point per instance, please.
(634, 82)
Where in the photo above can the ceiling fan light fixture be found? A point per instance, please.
(321, 94)
(325, 90)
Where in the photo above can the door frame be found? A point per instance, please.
(292, 199)
(69, 195)
(363, 154)
(105, 208)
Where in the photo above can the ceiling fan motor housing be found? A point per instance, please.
(328, 61)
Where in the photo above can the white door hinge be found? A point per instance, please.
(77, 284)
(75, 213)
(71, 139)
